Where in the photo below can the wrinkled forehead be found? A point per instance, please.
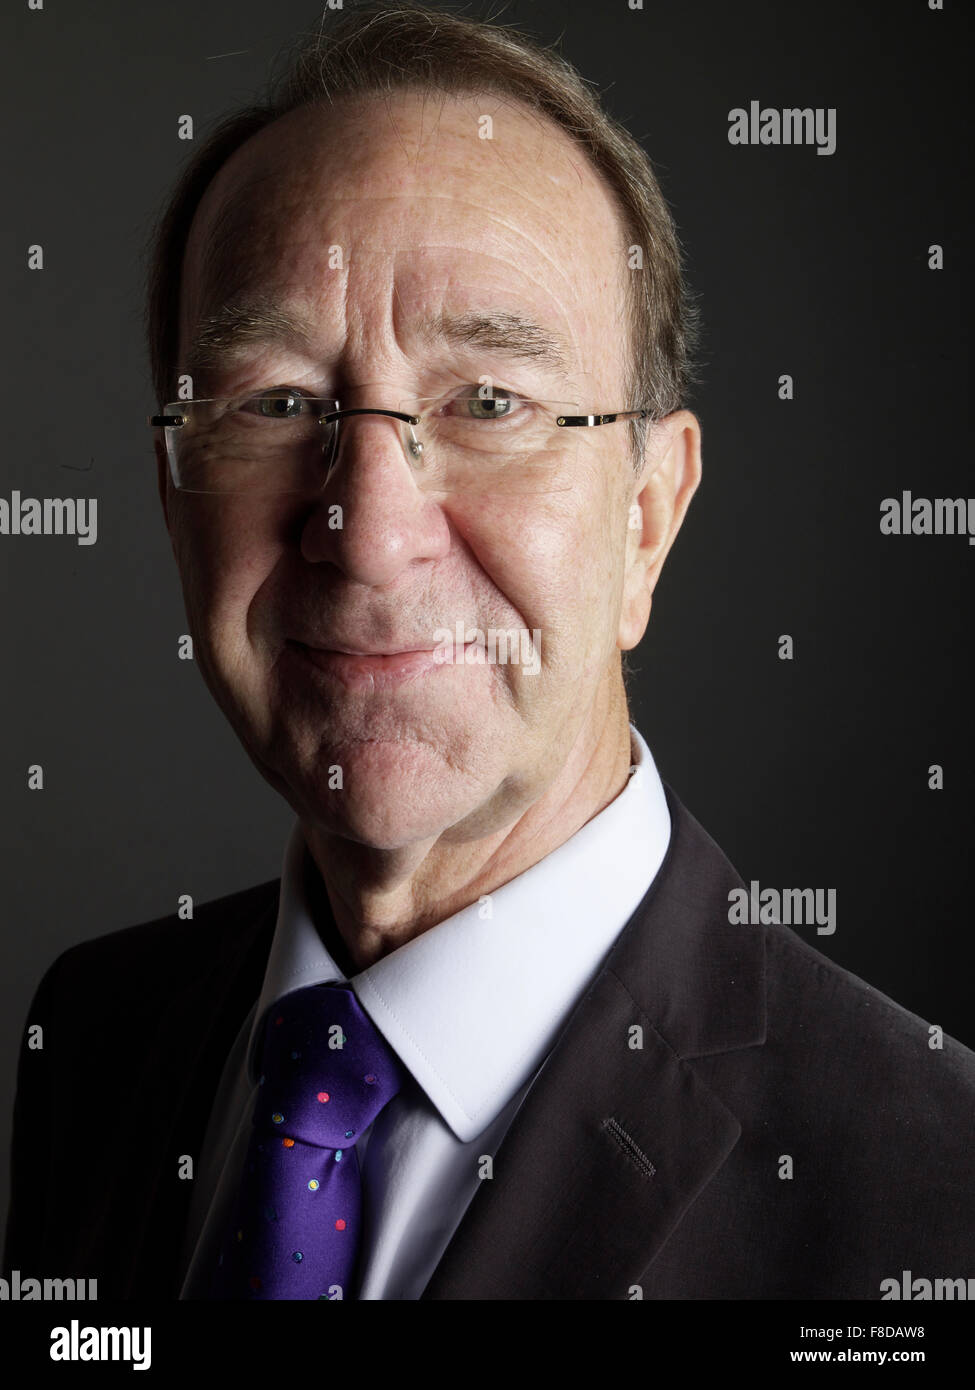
(456, 202)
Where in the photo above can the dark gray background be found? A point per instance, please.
(810, 773)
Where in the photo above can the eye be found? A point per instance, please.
(282, 403)
(477, 407)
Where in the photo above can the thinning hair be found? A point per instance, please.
(382, 48)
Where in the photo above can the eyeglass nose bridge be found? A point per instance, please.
(414, 446)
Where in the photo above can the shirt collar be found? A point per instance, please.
(473, 1005)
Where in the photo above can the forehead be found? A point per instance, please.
(422, 206)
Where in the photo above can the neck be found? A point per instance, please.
(381, 899)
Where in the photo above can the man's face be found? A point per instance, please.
(432, 222)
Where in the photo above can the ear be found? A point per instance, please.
(658, 503)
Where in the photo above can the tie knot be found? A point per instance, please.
(326, 1070)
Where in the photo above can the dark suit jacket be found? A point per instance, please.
(656, 1167)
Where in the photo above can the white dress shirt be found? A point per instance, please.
(472, 1008)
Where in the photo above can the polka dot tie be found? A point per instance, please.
(326, 1074)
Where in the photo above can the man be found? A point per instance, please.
(421, 345)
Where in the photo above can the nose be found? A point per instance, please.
(372, 520)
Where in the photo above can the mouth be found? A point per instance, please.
(367, 670)
(369, 651)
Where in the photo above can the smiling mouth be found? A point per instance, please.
(368, 670)
(365, 651)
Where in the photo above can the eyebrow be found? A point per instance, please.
(226, 333)
(508, 334)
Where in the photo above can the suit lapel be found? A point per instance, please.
(609, 1148)
(614, 1141)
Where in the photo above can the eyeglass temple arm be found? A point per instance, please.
(603, 419)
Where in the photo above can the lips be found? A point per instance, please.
(363, 651)
(357, 669)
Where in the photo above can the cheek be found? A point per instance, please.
(582, 549)
(555, 562)
(225, 549)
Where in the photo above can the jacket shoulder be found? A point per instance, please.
(876, 1107)
(817, 1005)
(161, 950)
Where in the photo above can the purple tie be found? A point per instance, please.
(326, 1074)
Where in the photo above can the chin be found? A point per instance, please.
(373, 821)
(387, 796)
